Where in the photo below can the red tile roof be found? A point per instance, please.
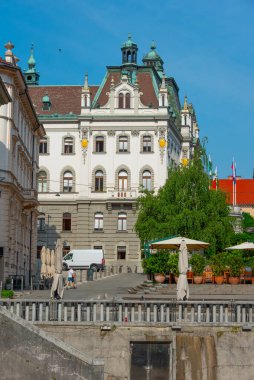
(145, 85)
(64, 99)
(244, 190)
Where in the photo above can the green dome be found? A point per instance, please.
(129, 42)
(153, 55)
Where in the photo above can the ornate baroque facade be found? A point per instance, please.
(105, 144)
(20, 134)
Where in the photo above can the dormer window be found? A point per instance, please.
(124, 100)
(46, 103)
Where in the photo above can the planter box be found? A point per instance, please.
(233, 280)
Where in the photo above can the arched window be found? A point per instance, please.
(66, 221)
(122, 222)
(99, 144)
(128, 100)
(163, 100)
(98, 221)
(147, 143)
(43, 147)
(120, 101)
(98, 180)
(122, 180)
(128, 56)
(68, 145)
(147, 180)
(42, 181)
(123, 144)
(67, 182)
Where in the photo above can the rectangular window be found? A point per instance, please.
(41, 224)
(122, 222)
(123, 144)
(99, 144)
(97, 247)
(43, 147)
(98, 222)
(67, 222)
(39, 248)
(68, 145)
(121, 253)
(147, 144)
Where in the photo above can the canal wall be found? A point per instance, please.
(27, 352)
(197, 352)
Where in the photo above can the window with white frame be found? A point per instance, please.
(68, 145)
(67, 182)
(98, 221)
(98, 180)
(42, 181)
(122, 222)
(124, 100)
(123, 144)
(99, 144)
(43, 147)
(147, 144)
(147, 180)
(122, 180)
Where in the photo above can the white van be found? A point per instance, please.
(84, 258)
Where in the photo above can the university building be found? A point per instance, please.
(20, 134)
(104, 144)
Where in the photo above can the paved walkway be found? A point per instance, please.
(118, 286)
(108, 287)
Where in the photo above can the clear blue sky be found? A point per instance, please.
(207, 46)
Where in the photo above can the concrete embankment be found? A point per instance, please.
(27, 352)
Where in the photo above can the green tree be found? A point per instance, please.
(186, 206)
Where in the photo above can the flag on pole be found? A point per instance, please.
(215, 179)
(233, 167)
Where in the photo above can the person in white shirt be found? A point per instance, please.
(71, 276)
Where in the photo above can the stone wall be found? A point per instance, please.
(198, 352)
(27, 352)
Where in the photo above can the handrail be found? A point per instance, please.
(132, 311)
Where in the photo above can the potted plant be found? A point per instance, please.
(8, 283)
(235, 261)
(218, 268)
(197, 262)
(173, 265)
(156, 264)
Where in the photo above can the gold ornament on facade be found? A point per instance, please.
(162, 143)
(84, 143)
(184, 161)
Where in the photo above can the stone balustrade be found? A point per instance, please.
(118, 311)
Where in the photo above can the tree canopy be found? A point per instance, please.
(186, 206)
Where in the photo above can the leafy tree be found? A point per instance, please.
(248, 220)
(186, 206)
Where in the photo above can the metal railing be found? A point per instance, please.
(119, 311)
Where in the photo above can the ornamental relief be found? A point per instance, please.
(135, 133)
(111, 133)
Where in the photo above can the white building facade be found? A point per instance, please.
(104, 145)
(20, 134)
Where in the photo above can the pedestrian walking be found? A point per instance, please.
(70, 278)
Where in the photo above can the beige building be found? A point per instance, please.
(20, 133)
(104, 145)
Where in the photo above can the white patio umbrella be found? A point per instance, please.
(57, 285)
(246, 246)
(43, 262)
(52, 262)
(182, 284)
(48, 262)
(174, 243)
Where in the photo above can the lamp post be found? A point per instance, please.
(47, 230)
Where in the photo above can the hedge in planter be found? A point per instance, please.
(156, 263)
(197, 262)
(7, 294)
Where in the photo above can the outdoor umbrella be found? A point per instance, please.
(57, 288)
(52, 262)
(182, 284)
(43, 262)
(174, 243)
(247, 246)
(48, 262)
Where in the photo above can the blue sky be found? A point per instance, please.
(207, 46)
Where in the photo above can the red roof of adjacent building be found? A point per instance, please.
(244, 190)
(64, 99)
